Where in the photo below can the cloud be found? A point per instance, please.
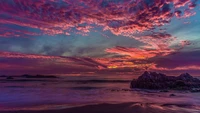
(64, 61)
(136, 53)
(178, 13)
(123, 62)
(121, 17)
(32, 63)
(29, 56)
(138, 19)
(185, 43)
(190, 67)
(64, 17)
(193, 4)
(188, 13)
(178, 60)
(180, 3)
(156, 44)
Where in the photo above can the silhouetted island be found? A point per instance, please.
(38, 76)
(3, 76)
(153, 80)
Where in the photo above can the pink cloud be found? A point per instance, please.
(192, 5)
(125, 18)
(21, 55)
(65, 61)
(59, 64)
(180, 3)
(178, 13)
(136, 53)
(53, 17)
(190, 67)
(8, 32)
(188, 13)
(156, 44)
(185, 43)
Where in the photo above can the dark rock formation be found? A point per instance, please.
(164, 90)
(194, 90)
(153, 80)
(171, 95)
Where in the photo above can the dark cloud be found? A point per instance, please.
(179, 59)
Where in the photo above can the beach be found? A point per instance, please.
(117, 108)
(90, 95)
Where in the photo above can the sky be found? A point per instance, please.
(99, 36)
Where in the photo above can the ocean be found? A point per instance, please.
(64, 92)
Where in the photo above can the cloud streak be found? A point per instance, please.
(67, 61)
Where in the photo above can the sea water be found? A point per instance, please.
(63, 92)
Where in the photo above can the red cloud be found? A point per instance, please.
(178, 13)
(124, 62)
(148, 52)
(185, 43)
(29, 56)
(156, 44)
(188, 13)
(120, 17)
(190, 67)
(140, 53)
(66, 61)
(70, 64)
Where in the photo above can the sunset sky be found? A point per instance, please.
(101, 36)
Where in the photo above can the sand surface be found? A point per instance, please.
(118, 108)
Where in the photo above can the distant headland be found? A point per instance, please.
(29, 76)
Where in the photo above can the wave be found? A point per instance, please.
(99, 81)
(85, 88)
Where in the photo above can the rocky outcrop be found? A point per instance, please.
(153, 80)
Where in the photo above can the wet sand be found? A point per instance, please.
(118, 108)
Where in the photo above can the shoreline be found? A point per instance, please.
(130, 107)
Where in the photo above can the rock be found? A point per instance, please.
(180, 83)
(185, 77)
(171, 95)
(164, 91)
(126, 90)
(153, 80)
(194, 90)
(9, 78)
(115, 90)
